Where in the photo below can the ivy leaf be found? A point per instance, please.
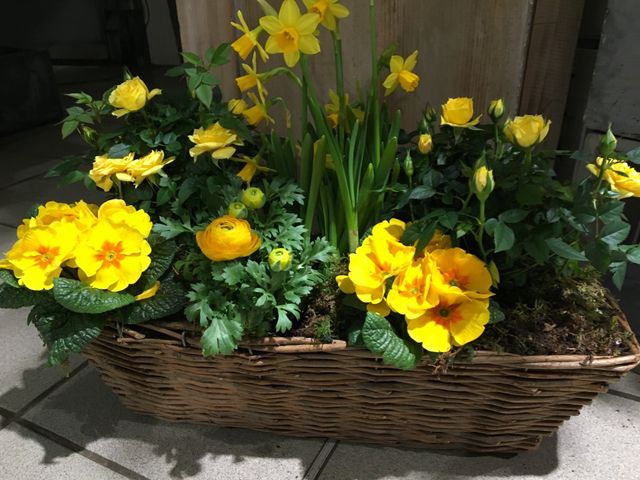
(503, 237)
(564, 250)
(380, 338)
(222, 336)
(81, 298)
(169, 299)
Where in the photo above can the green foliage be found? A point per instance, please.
(380, 337)
(81, 298)
(171, 298)
(14, 296)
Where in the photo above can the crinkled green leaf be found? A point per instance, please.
(18, 297)
(380, 337)
(6, 276)
(169, 299)
(162, 254)
(81, 298)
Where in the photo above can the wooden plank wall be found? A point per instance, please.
(471, 48)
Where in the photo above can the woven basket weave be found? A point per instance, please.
(295, 386)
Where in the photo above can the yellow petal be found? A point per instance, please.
(149, 292)
(433, 336)
(291, 58)
(396, 64)
(271, 25)
(411, 61)
(309, 44)
(308, 24)
(345, 284)
(289, 13)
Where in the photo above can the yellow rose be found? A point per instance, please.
(527, 130)
(119, 213)
(623, 179)
(425, 143)
(482, 182)
(131, 96)
(105, 169)
(458, 112)
(146, 167)
(228, 238)
(220, 142)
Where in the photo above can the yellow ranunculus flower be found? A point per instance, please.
(449, 324)
(252, 79)
(425, 144)
(118, 213)
(131, 96)
(291, 33)
(248, 41)
(402, 74)
(458, 112)
(105, 169)
(237, 106)
(220, 142)
(622, 178)
(328, 10)
(259, 112)
(411, 293)
(527, 130)
(228, 238)
(460, 275)
(112, 256)
(146, 167)
(149, 292)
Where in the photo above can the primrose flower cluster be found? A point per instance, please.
(105, 247)
(442, 292)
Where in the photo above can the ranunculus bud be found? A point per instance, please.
(482, 183)
(496, 109)
(279, 259)
(608, 143)
(253, 198)
(238, 210)
(425, 143)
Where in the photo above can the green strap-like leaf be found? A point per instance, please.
(81, 298)
(380, 338)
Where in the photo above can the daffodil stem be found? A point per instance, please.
(305, 97)
(337, 50)
(373, 27)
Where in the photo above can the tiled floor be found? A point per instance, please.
(64, 423)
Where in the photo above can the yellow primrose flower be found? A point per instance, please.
(411, 293)
(146, 167)
(291, 33)
(112, 256)
(527, 130)
(425, 144)
(438, 241)
(622, 178)
(381, 308)
(37, 257)
(402, 74)
(237, 106)
(228, 238)
(104, 170)
(220, 142)
(460, 275)
(449, 324)
(118, 212)
(149, 292)
(328, 10)
(252, 79)
(458, 112)
(81, 214)
(251, 167)
(130, 96)
(248, 41)
(259, 112)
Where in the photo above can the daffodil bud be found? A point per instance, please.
(238, 210)
(425, 143)
(253, 198)
(608, 143)
(408, 165)
(496, 109)
(482, 183)
(279, 259)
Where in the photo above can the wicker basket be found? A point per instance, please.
(295, 386)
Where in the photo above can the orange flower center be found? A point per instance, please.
(46, 256)
(287, 39)
(446, 314)
(454, 279)
(320, 8)
(111, 254)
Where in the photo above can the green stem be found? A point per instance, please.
(374, 82)
(305, 97)
(337, 51)
(482, 221)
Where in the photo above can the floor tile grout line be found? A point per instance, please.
(321, 460)
(80, 450)
(306, 473)
(628, 396)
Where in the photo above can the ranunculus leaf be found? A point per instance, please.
(81, 298)
(222, 336)
(380, 337)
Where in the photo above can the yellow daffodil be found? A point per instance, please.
(112, 256)
(237, 106)
(105, 170)
(149, 292)
(527, 130)
(425, 144)
(252, 79)
(251, 167)
(118, 212)
(291, 33)
(328, 10)
(449, 324)
(258, 113)
(402, 74)
(411, 293)
(458, 112)
(145, 168)
(333, 110)
(248, 41)
(460, 275)
(622, 178)
(228, 238)
(216, 140)
(131, 96)
(37, 257)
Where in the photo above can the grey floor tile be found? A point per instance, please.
(85, 411)
(629, 384)
(27, 455)
(600, 443)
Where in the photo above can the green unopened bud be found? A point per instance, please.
(496, 109)
(408, 165)
(89, 134)
(608, 143)
(279, 259)
(430, 115)
(238, 210)
(395, 172)
(482, 183)
(253, 198)
(425, 143)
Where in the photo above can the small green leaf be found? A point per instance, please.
(18, 297)
(6, 276)
(503, 237)
(222, 336)
(81, 298)
(615, 232)
(204, 94)
(119, 150)
(422, 192)
(381, 339)
(69, 127)
(192, 58)
(619, 270)
(514, 215)
(496, 315)
(564, 250)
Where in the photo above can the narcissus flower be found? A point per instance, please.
(248, 41)
(291, 33)
(402, 74)
(237, 106)
(252, 79)
(458, 112)
(145, 168)
(112, 256)
(105, 170)
(258, 112)
(411, 293)
(130, 96)
(333, 110)
(460, 275)
(251, 167)
(228, 238)
(118, 212)
(37, 257)
(527, 130)
(216, 140)
(449, 324)
(328, 10)
(622, 178)
(425, 144)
